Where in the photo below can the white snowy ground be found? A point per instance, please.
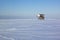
(29, 29)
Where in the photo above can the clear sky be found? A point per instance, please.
(29, 8)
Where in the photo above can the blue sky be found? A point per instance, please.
(29, 8)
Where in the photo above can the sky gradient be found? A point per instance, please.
(29, 8)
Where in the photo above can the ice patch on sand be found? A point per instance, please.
(11, 29)
(4, 37)
(8, 30)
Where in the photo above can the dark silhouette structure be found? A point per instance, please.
(41, 16)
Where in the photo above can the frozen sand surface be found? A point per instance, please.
(29, 29)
